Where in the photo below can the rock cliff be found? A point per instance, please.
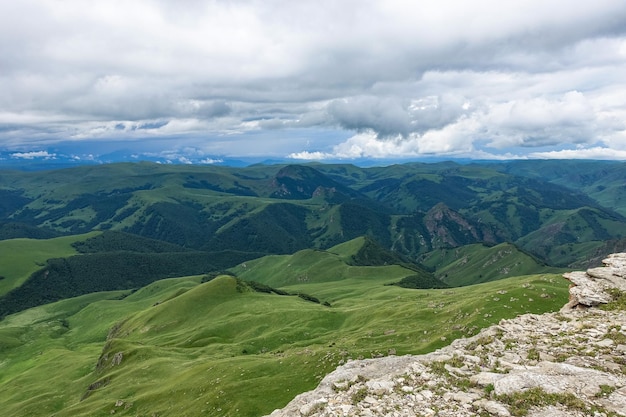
(568, 363)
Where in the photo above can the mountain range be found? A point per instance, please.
(559, 213)
(180, 287)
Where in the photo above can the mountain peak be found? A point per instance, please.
(301, 182)
(449, 227)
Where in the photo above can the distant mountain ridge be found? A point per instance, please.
(412, 208)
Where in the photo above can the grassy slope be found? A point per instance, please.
(48, 353)
(19, 258)
(478, 263)
(212, 350)
(220, 349)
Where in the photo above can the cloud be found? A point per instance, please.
(449, 141)
(583, 153)
(33, 155)
(210, 161)
(541, 121)
(386, 116)
(378, 77)
(392, 116)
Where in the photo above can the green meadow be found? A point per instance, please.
(19, 258)
(187, 348)
(477, 263)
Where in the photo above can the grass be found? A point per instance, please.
(472, 264)
(521, 402)
(191, 348)
(359, 395)
(533, 354)
(618, 301)
(19, 258)
(210, 349)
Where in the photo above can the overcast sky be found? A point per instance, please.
(315, 79)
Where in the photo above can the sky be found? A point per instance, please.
(195, 80)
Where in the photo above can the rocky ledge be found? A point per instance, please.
(568, 363)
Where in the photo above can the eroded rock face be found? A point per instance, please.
(590, 288)
(585, 292)
(575, 353)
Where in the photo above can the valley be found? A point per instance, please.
(182, 347)
(148, 289)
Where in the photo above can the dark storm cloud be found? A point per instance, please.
(394, 116)
(386, 116)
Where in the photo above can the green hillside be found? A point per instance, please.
(479, 263)
(205, 290)
(412, 208)
(178, 347)
(358, 259)
(44, 271)
(19, 258)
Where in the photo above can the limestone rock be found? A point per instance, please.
(616, 402)
(380, 387)
(493, 408)
(310, 408)
(590, 287)
(554, 378)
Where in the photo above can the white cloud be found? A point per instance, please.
(311, 156)
(582, 153)
(400, 77)
(541, 121)
(33, 155)
(450, 140)
(211, 161)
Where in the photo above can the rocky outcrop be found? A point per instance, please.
(568, 363)
(592, 287)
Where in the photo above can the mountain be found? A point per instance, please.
(300, 182)
(412, 208)
(149, 289)
(152, 289)
(357, 258)
(476, 263)
(604, 181)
